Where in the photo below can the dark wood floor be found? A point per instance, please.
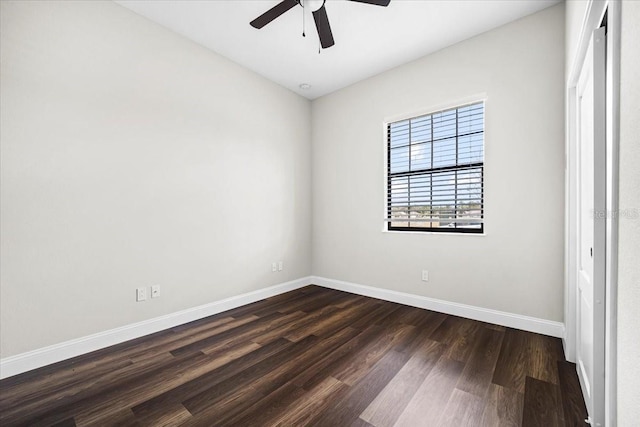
(313, 356)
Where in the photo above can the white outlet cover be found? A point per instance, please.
(141, 294)
(280, 265)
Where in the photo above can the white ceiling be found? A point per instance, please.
(369, 39)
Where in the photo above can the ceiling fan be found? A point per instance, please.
(319, 16)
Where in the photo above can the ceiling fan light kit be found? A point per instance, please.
(318, 10)
(312, 5)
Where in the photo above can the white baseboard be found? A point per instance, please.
(24, 362)
(517, 321)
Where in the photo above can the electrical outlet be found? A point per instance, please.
(141, 294)
(280, 265)
(425, 275)
(274, 267)
(155, 291)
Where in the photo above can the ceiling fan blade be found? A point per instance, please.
(323, 27)
(273, 13)
(375, 2)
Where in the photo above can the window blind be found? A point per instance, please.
(435, 168)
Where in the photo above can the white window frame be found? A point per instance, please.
(461, 102)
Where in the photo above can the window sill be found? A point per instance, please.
(437, 233)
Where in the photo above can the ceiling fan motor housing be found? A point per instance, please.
(312, 5)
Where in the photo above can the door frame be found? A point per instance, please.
(595, 13)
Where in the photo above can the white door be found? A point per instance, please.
(591, 227)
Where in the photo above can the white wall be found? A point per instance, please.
(132, 157)
(518, 265)
(629, 222)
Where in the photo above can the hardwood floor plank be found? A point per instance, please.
(355, 399)
(463, 410)
(422, 328)
(575, 411)
(69, 422)
(429, 321)
(309, 405)
(376, 314)
(503, 407)
(495, 327)
(445, 332)
(478, 371)
(169, 415)
(361, 423)
(542, 404)
(232, 352)
(333, 321)
(513, 364)
(226, 407)
(358, 364)
(349, 299)
(339, 357)
(360, 319)
(392, 400)
(463, 340)
(431, 398)
(123, 417)
(265, 410)
(459, 336)
(544, 358)
(407, 315)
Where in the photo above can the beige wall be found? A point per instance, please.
(132, 157)
(629, 223)
(518, 265)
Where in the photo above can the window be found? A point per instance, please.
(435, 166)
